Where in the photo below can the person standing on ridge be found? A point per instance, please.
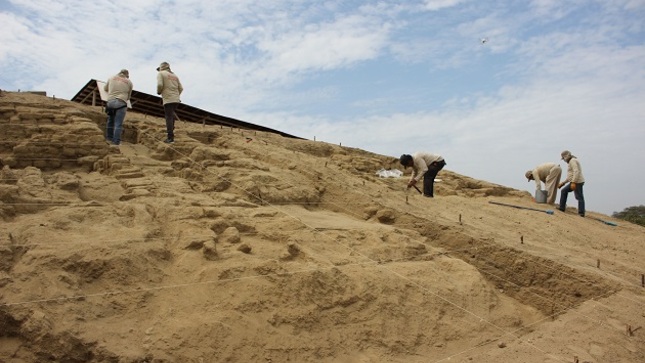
(170, 88)
(576, 181)
(549, 174)
(119, 89)
(426, 165)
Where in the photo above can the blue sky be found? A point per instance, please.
(389, 77)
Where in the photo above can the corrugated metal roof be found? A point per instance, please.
(93, 94)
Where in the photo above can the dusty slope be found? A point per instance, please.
(236, 246)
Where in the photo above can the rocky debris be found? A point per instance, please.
(7, 176)
(230, 235)
(209, 251)
(293, 251)
(245, 248)
(386, 216)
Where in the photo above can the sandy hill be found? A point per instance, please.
(240, 246)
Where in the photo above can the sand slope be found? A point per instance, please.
(241, 246)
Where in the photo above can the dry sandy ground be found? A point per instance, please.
(240, 246)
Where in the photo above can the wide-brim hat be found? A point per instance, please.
(565, 154)
(163, 65)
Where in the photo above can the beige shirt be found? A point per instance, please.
(421, 162)
(118, 87)
(574, 171)
(169, 87)
(541, 172)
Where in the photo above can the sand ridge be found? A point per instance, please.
(240, 246)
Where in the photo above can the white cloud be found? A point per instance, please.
(328, 46)
(434, 5)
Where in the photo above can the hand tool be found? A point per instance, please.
(604, 221)
(521, 207)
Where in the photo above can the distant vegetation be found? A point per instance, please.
(632, 214)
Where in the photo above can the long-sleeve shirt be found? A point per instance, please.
(541, 172)
(169, 87)
(118, 87)
(574, 171)
(421, 162)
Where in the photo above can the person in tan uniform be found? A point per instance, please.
(119, 89)
(549, 174)
(424, 165)
(170, 88)
(576, 181)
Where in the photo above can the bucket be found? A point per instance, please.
(540, 196)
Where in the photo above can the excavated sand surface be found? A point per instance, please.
(239, 246)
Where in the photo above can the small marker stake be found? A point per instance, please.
(598, 263)
(643, 280)
(460, 218)
(521, 239)
(630, 332)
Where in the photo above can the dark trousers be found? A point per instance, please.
(577, 193)
(428, 177)
(169, 111)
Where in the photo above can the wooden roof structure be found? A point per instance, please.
(93, 94)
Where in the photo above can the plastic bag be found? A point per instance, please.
(392, 173)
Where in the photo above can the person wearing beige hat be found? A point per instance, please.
(119, 89)
(575, 181)
(549, 174)
(170, 88)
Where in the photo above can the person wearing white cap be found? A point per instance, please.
(549, 174)
(119, 89)
(170, 88)
(576, 182)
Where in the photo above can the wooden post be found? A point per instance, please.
(521, 239)
(460, 218)
(598, 263)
